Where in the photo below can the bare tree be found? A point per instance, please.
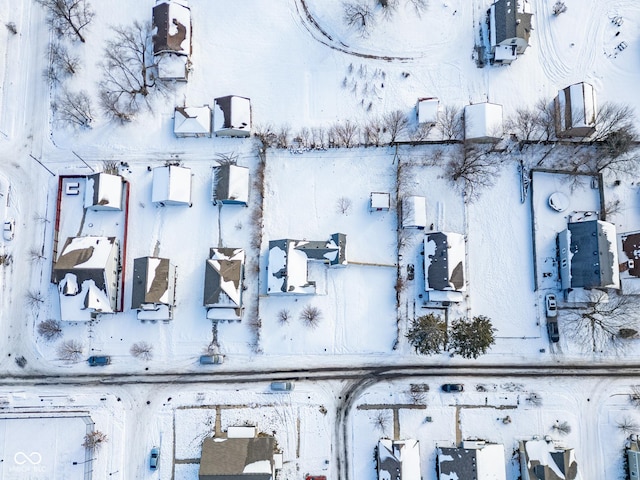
(36, 255)
(70, 350)
(62, 64)
(343, 205)
(545, 119)
(359, 16)
(142, 350)
(421, 132)
(449, 122)
(372, 132)
(50, 329)
(394, 124)
(34, 298)
(311, 316)
(282, 137)
(558, 8)
(94, 440)
(628, 425)
(127, 76)
(11, 26)
(318, 137)
(344, 134)
(534, 399)
(266, 134)
(110, 166)
(563, 428)
(634, 396)
(381, 420)
(284, 316)
(524, 123)
(596, 327)
(474, 169)
(73, 108)
(68, 17)
(420, 6)
(389, 7)
(227, 158)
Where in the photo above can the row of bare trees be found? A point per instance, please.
(362, 15)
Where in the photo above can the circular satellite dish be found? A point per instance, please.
(559, 201)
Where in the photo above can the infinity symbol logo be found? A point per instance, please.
(21, 458)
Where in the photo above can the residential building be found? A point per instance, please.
(398, 459)
(483, 122)
(192, 121)
(172, 39)
(575, 111)
(232, 116)
(444, 266)
(223, 283)
(153, 288)
(103, 191)
(509, 29)
(230, 185)
(171, 185)
(237, 458)
(546, 460)
(474, 460)
(414, 212)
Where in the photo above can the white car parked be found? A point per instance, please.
(9, 229)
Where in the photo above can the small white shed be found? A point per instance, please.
(379, 202)
(104, 191)
(192, 121)
(483, 122)
(428, 110)
(232, 116)
(414, 212)
(171, 185)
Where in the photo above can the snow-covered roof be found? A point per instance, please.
(475, 461)
(511, 19)
(398, 459)
(483, 122)
(171, 185)
(444, 261)
(288, 262)
(232, 116)
(153, 279)
(192, 121)
(576, 110)
(414, 212)
(85, 253)
(103, 191)
(542, 460)
(223, 278)
(428, 110)
(225, 458)
(230, 185)
(380, 201)
(172, 28)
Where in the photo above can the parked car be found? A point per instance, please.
(99, 361)
(211, 359)
(154, 459)
(315, 477)
(9, 229)
(552, 330)
(550, 305)
(282, 386)
(452, 387)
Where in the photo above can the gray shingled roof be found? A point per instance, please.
(592, 255)
(226, 459)
(159, 282)
(510, 23)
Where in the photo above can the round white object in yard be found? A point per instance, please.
(559, 201)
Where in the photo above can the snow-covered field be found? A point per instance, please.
(302, 74)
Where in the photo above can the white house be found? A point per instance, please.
(223, 283)
(172, 39)
(86, 273)
(398, 459)
(509, 29)
(287, 267)
(483, 122)
(192, 121)
(171, 185)
(444, 266)
(232, 116)
(153, 288)
(575, 111)
(103, 191)
(230, 185)
(427, 110)
(414, 212)
(474, 460)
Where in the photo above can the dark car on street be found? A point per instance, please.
(452, 387)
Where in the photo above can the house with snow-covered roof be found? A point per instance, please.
(287, 263)
(427, 110)
(398, 459)
(414, 212)
(546, 460)
(232, 116)
(104, 191)
(575, 111)
(589, 255)
(230, 185)
(86, 273)
(223, 283)
(509, 29)
(238, 458)
(171, 185)
(172, 39)
(153, 289)
(483, 122)
(192, 122)
(474, 460)
(444, 266)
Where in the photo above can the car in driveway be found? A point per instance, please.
(154, 458)
(99, 360)
(282, 386)
(211, 359)
(552, 330)
(452, 387)
(550, 305)
(9, 229)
